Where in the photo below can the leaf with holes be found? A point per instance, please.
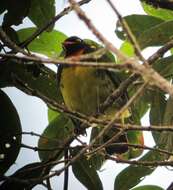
(10, 133)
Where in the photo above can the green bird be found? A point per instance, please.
(84, 89)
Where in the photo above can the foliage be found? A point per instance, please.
(34, 78)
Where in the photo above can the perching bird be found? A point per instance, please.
(84, 89)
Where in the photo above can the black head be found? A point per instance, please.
(74, 44)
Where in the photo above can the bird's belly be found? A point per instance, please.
(81, 89)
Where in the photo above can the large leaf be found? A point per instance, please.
(48, 43)
(165, 139)
(138, 24)
(127, 49)
(97, 159)
(52, 114)
(164, 14)
(85, 173)
(149, 31)
(2, 6)
(9, 128)
(41, 12)
(157, 35)
(157, 111)
(16, 11)
(28, 172)
(148, 187)
(164, 67)
(132, 175)
(54, 137)
(37, 77)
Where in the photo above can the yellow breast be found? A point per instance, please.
(81, 89)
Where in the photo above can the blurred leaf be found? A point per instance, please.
(10, 127)
(132, 175)
(55, 135)
(12, 34)
(48, 43)
(97, 159)
(157, 111)
(134, 137)
(16, 11)
(157, 35)
(164, 67)
(2, 6)
(158, 107)
(85, 173)
(165, 139)
(140, 105)
(41, 12)
(164, 14)
(148, 30)
(28, 172)
(148, 187)
(35, 76)
(52, 114)
(138, 24)
(127, 49)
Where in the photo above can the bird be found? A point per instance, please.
(84, 89)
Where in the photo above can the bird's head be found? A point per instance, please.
(73, 45)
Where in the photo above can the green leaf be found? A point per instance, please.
(41, 12)
(157, 35)
(39, 78)
(28, 172)
(164, 14)
(148, 30)
(54, 137)
(127, 49)
(148, 187)
(132, 175)
(10, 127)
(85, 173)
(138, 24)
(165, 139)
(157, 111)
(52, 114)
(164, 67)
(134, 137)
(48, 43)
(97, 159)
(16, 12)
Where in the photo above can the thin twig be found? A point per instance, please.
(140, 163)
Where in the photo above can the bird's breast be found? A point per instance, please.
(82, 89)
